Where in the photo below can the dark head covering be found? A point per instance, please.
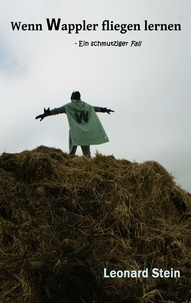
(75, 96)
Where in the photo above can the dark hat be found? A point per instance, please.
(75, 96)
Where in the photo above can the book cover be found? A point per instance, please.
(106, 222)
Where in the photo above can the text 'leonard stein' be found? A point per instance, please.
(154, 273)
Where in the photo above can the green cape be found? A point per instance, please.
(85, 126)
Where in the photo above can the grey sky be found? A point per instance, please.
(147, 86)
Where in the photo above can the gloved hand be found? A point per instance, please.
(47, 112)
(106, 110)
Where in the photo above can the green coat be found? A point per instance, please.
(85, 126)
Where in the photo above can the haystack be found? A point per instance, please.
(63, 219)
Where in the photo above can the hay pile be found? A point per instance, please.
(64, 219)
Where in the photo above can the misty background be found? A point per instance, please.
(148, 87)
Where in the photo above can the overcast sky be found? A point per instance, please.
(148, 86)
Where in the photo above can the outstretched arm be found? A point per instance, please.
(48, 112)
(103, 110)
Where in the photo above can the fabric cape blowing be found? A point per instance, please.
(85, 126)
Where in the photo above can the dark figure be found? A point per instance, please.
(85, 126)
